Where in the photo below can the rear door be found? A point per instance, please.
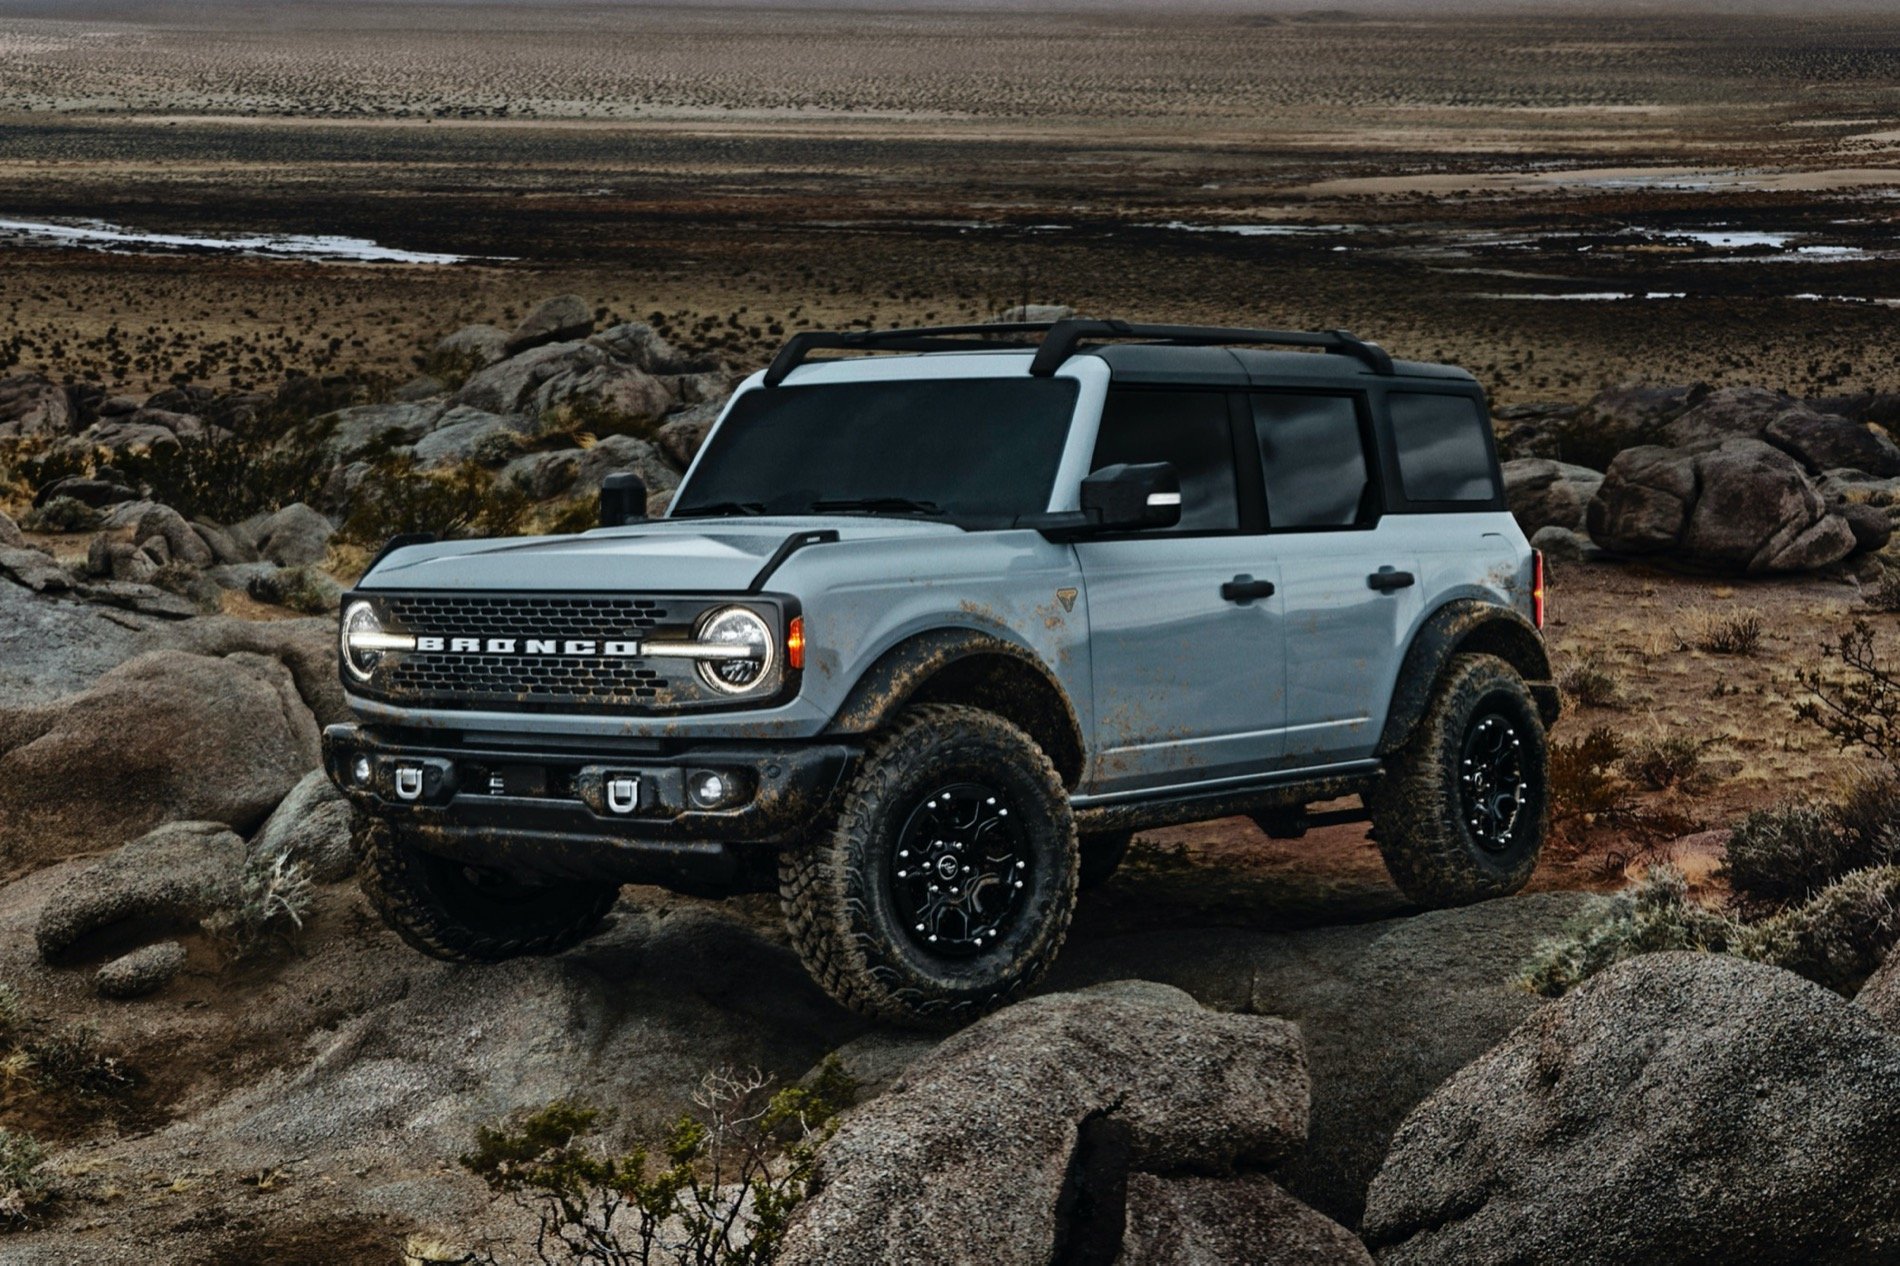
(1348, 576)
(1186, 641)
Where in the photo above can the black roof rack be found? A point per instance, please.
(1061, 340)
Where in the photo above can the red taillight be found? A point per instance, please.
(795, 640)
(1537, 587)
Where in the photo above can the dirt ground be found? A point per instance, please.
(1559, 203)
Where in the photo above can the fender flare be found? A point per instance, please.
(1465, 624)
(903, 674)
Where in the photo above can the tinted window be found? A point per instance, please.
(1442, 451)
(1314, 460)
(1187, 428)
(983, 450)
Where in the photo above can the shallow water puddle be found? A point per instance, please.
(98, 235)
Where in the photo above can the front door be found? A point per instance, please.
(1185, 624)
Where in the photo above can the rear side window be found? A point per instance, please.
(1314, 459)
(1187, 428)
(1441, 447)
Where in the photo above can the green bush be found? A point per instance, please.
(1655, 915)
(1583, 779)
(62, 514)
(225, 479)
(23, 1187)
(462, 501)
(1662, 763)
(720, 1188)
(1838, 938)
(1592, 683)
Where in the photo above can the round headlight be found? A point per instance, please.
(743, 630)
(361, 661)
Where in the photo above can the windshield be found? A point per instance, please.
(975, 451)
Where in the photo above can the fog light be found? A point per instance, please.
(713, 789)
(362, 771)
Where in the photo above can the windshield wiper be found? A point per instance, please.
(721, 509)
(877, 505)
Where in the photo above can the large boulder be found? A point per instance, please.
(371, 430)
(168, 880)
(619, 453)
(1881, 993)
(467, 434)
(477, 345)
(33, 569)
(1196, 1221)
(312, 828)
(164, 737)
(639, 345)
(183, 543)
(34, 406)
(683, 433)
(10, 535)
(976, 1144)
(1821, 442)
(1690, 1108)
(293, 536)
(556, 320)
(1727, 414)
(1543, 493)
(1740, 507)
(509, 386)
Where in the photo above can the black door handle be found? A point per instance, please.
(1385, 580)
(1244, 589)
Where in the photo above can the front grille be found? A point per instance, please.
(540, 682)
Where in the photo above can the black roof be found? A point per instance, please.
(1212, 355)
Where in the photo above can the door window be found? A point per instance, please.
(1314, 459)
(1187, 428)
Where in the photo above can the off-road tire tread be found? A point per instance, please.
(391, 876)
(1425, 850)
(821, 882)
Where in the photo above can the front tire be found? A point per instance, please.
(1464, 809)
(945, 888)
(470, 914)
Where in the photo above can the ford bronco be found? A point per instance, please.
(922, 639)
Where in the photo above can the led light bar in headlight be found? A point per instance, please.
(744, 647)
(364, 641)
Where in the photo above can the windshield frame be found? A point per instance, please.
(1089, 373)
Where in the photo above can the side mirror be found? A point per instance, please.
(1133, 497)
(623, 500)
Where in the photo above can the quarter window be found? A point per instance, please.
(1187, 428)
(1314, 460)
(1441, 447)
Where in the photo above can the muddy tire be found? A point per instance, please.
(945, 886)
(1463, 810)
(1102, 856)
(467, 914)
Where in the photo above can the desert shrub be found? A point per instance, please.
(62, 514)
(1592, 683)
(1583, 779)
(462, 501)
(584, 415)
(452, 367)
(303, 588)
(1662, 763)
(577, 514)
(1738, 634)
(1837, 938)
(70, 1060)
(1784, 853)
(1884, 593)
(225, 478)
(1869, 816)
(23, 1187)
(274, 898)
(720, 1188)
(1655, 915)
(1853, 696)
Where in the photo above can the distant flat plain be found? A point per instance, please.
(1560, 202)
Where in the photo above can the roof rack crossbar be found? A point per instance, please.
(1067, 336)
(1061, 340)
(942, 338)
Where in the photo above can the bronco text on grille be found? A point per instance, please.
(535, 652)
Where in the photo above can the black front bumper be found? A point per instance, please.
(535, 810)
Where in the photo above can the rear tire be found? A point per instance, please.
(470, 914)
(944, 889)
(1464, 808)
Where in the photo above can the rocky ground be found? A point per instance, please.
(1247, 1042)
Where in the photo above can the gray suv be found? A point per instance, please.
(923, 639)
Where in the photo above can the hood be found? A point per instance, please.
(664, 556)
